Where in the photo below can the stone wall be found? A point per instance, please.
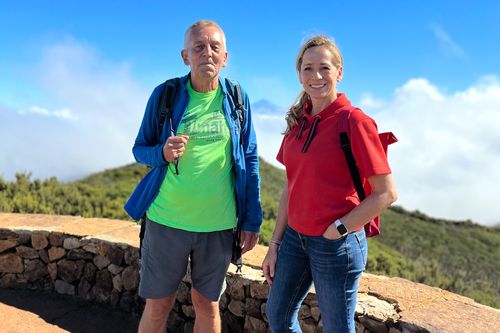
(71, 256)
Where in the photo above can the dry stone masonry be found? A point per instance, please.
(97, 260)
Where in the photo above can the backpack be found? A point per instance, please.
(372, 228)
(164, 113)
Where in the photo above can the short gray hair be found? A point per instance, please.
(201, 24)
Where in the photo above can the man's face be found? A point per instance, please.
(205, 52)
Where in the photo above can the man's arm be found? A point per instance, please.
(253, 213)
(148, 149)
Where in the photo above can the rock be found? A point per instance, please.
(184, 293)
(117, 283)
(6, 244)
(373, 325)
(189, 327)
(254, 325)
(131, 257)
(56, 238)
(259, 290)
(231, 323)
(308, 325)
(63, 287)
(252, 307)
(101, 262)
(71, 243)
(188, 310)
(371, 306)
(224, 301)
(263, 312)
(130, 278)
(115, 255)
(104, 280)
(39, 240)
(8, 234)
(44, 256)
(100, 295)
(11, 263)
(34, 270)
(56, 253)
(68, 270)
(394, 330)
(84, 288)
(237, 308)
(358, 327)
(114, 269)
(79, 254)
(89, 272)
(27, 252)
(91, 247)
(315, 312)
(237, 290)
(8, 281)
(52, 269)
(304, 312)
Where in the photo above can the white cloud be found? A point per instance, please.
(61, 113)
(98, 110)
(447, 44)
(448, 155)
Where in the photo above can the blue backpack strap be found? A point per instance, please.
(345, 144)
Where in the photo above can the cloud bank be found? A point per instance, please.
(445, 163)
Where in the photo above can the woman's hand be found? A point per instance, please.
(269, 263)
(331, 232)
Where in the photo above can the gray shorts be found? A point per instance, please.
(167, 251)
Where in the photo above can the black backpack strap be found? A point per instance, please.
(345, 144)
(141, 234)
(237, 97)
(166, 103)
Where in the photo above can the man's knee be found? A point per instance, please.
(204, 306)
(158, 309)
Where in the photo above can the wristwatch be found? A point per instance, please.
(341, 228)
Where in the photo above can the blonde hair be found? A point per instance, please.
(297, 109)
(201, 24)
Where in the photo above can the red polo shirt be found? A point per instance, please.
(320, 187)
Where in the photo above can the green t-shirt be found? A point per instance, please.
(201, 198)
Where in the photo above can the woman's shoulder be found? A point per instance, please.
(358, 115)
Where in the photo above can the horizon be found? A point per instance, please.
(75, 78)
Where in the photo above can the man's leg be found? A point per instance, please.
(207, 314)
(209, 263)
(155, 315)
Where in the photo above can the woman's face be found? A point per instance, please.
(319, 74)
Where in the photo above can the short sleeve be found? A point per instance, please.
(367, 147)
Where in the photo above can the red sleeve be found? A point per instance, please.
(366, 146)
(279, 157)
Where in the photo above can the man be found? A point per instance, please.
(204, 178)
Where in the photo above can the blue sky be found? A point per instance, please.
(75, 76)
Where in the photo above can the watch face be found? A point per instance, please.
(342, 229)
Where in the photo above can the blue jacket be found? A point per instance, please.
(148, 150)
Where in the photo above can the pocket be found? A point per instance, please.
(362, 247)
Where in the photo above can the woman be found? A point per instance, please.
(319, 235)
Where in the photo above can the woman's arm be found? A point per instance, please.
(269, 262)
(382, 196)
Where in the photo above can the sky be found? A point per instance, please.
(75, 77)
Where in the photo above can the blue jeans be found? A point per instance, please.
(334, 266)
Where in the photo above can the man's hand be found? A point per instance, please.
(174, 147)
(248, 240)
